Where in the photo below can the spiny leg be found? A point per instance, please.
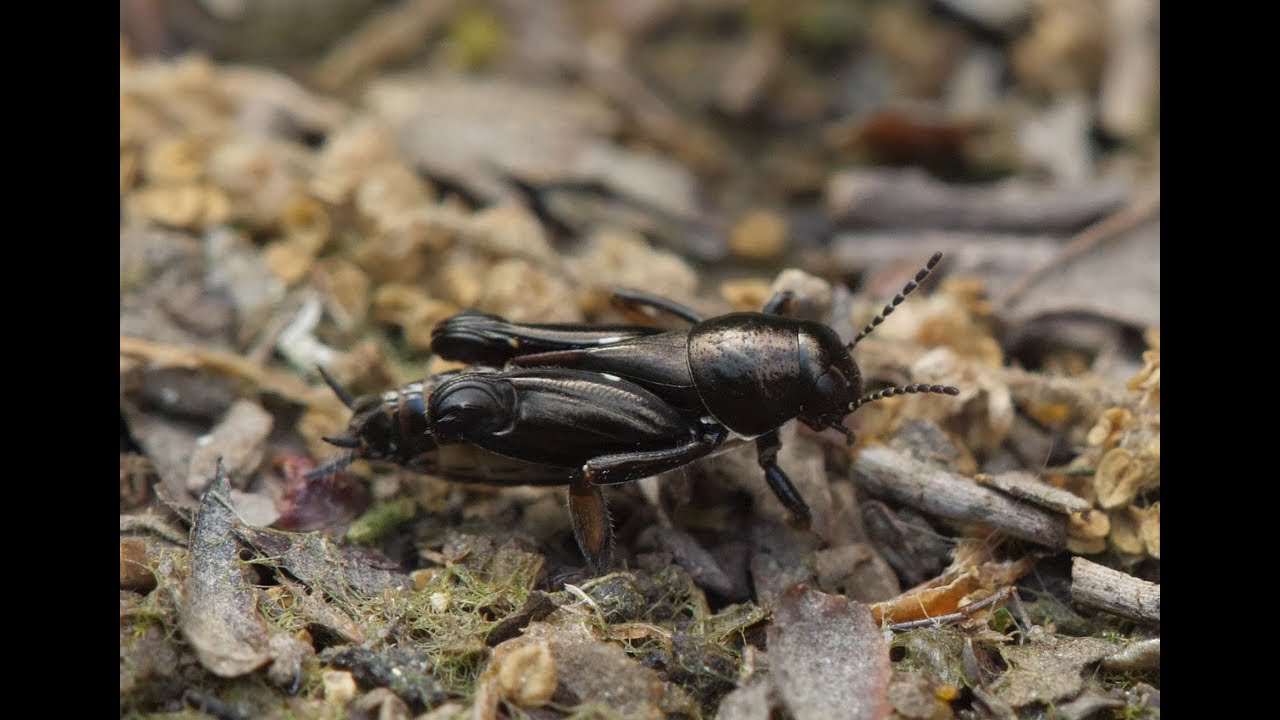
(592, 526)
(629, 302)
(897, 300)
(588, 513)
(767, 447)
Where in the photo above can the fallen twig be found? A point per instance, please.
(1113, 591)
(885, 472)
(910, 199)
(963, 613)
(1108, 228)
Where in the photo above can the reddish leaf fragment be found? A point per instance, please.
(327, 501)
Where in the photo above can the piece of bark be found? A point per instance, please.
(1116, 592)
(885, 472)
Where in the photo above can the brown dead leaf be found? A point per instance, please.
(1111, 428)
(1148, 522)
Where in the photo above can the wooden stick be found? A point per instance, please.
(1116, 592)
(890, 198)
(886, 472)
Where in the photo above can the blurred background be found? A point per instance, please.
(741, 136)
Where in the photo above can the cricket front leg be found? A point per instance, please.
(767, 447)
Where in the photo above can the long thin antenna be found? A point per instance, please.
(330, 467)
(337, 389)
(897, 300)
(903, 390)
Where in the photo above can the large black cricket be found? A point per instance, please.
(592, 405)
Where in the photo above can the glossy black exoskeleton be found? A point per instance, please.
(393, 427)
(538, 426)
(594, 405)
(749, 372)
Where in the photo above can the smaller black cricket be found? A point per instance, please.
(613, 404)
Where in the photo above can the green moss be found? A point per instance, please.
(938, 652)
(450, 615)
(381, 520)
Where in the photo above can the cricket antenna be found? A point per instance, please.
(337, 389)
(903, 390)
(897, 300)
(330, 467)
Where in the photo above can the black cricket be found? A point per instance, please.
(596, 405)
